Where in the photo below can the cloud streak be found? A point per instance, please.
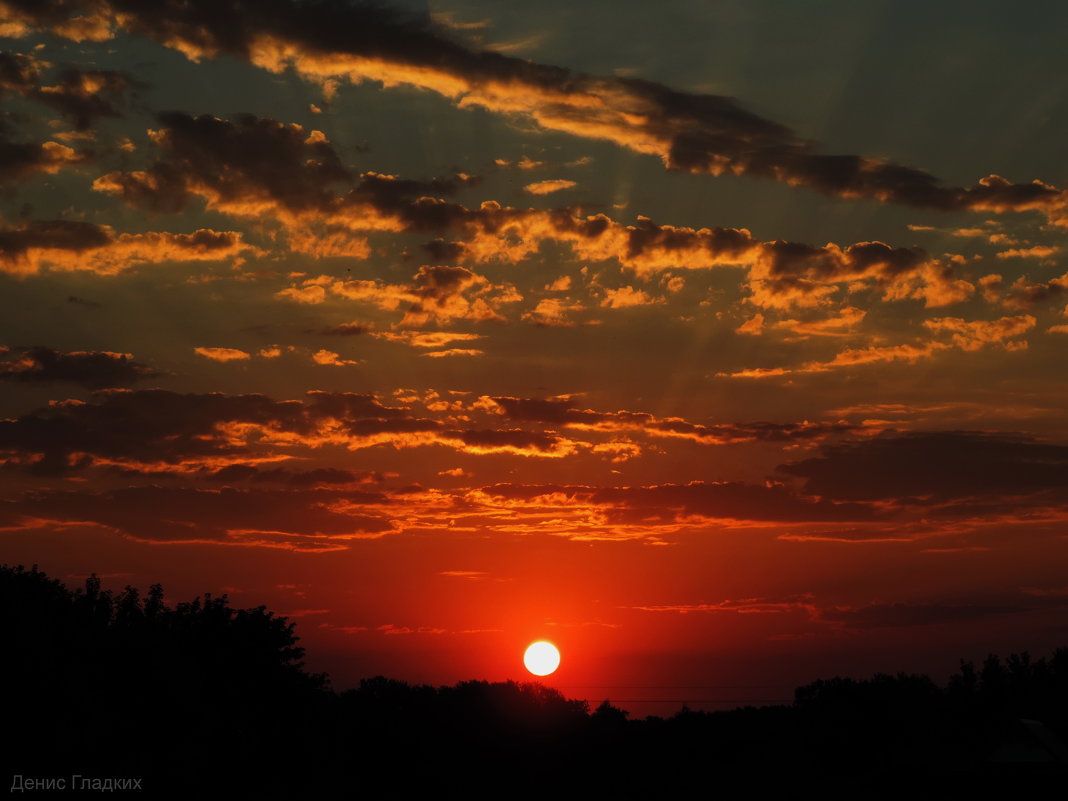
(73, 245)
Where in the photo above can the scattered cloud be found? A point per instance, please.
(697, 133)
(548, 187)
(328, 358)
(222, 354)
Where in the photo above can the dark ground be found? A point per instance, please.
(205, 699)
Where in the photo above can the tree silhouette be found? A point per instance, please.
(205, 695)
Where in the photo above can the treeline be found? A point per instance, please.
(202, 696)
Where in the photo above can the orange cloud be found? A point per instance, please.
(840, 325)
(991, 287)
(627, 297)
(1035, 252)
(23, 160)
(553, 313)
(69, 245)
(437, 354)
(222, 354)
(426, 339)
(308, 293)
(756, 372)
(435, 294)
(456, 472)
(328, 358)
(975, 334)
(515, 441)
(525, 163)
(786, 273)
(1023, 293)
(561, 284)
(873, 355)
(964, 335)
(548, 187)
(753, 327)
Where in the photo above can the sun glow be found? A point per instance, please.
(541, 658)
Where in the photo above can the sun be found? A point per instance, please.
(541, 658)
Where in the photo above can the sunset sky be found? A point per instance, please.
(720, 343)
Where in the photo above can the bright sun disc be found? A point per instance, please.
(541, 658)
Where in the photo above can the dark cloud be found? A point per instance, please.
(346, 330)
(19, 73)
(262, 169)
(69, 235)
(345, 405)
(82, 95)
(147, 426)
(528, 492)
(563, 412)
(389, 192)
(936, 466)
(558, 411)
(93, 369)
(440, 250)
(232, 162)
(83, 302)
(672, 503)
(324, 476)
(249, 165)
(159, 431)
(724, 500)
(86, 95)
(266, 170)
(864, 258)
(22, 160)
(239, 163)
(697, 133)
(372, 427)
(78, 245)
(436, 288)
(1025, 294)
(877, 616)
(226, 515)
(786, 270)
(645, 235)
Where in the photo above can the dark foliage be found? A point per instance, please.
(205, 698)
